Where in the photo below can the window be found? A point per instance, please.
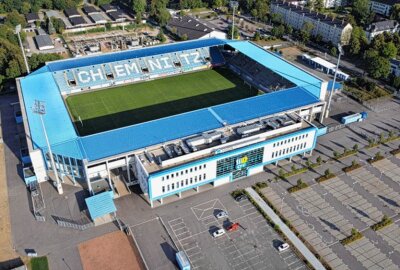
(172, 175)
(167, 187)
(181, 172)
(167, 177)
(195, 179)
(186, 171)
(182, 183)
(307, 135)
(191, 169)
(200, 177)
(204, 166)
(186, 182)
(176, 174)
(162, 178)
(204, 176)
(163, 189)
(177, 184)
(195, 168)
(172, 186)
(273, 154)
(273, 145)
(191, 180)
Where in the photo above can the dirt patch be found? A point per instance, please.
(6, 248)
(113, 251)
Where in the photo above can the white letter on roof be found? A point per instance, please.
(98, 74)
(186, 57)
(154, 64)
(131, 68)
(196, 57)
(166, 64)
(81, 79)
(119, 71)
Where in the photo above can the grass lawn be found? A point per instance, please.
(39, 263)
(135, 103)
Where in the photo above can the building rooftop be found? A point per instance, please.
(31, 17)
(382, 26)
(108, 8)
(75, 21)
(43, 41)
(90, 10)
(97, 17)
(71, 12)
(387, 2)
(116, 15)
(311, 14)
(191, 27)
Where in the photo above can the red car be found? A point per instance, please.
(233, 227)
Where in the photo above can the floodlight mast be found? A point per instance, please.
(233, 5)
(40, 109)
(328, 107)
(17, 31)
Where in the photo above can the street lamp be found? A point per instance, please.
(40, 109)
(328, 109)
(233, 5)
(17, 31)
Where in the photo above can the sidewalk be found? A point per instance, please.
(285, 229)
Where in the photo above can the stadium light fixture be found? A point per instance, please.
(328, 108)
(40, 108)
(233, 5)
(17, 31)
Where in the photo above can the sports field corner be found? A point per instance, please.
(116, 107)
(114, 251)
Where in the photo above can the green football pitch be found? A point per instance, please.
(135, 103)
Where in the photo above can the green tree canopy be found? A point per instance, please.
(361, 10)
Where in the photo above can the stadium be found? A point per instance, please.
(172, 118)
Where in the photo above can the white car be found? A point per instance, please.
(218, 233)
(221, 214)
(283, 247)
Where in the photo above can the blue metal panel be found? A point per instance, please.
(259, 106)
(126, 139)
(112, 57)
(101, 204)
(279, 65)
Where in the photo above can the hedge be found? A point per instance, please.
(325, 177)
(395, 151)
(381, 224)
(356, 235)
(352, 167)
(297, 187)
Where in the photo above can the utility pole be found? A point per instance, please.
(328, 108)
(17, 31)
(40, 109)
(233, 5)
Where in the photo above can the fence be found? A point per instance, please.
(79, 224)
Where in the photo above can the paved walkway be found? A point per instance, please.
(285, 229)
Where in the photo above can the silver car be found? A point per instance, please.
(222, 214)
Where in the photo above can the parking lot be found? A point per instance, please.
(252, 246)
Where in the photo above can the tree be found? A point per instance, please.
(13, 70)
(38, 60)
(355, 147)
(25, 8)
(361, 10)
(319, 5)
(395, 12)
(378, 67)
(305, 32)
(319, 159)
(257, 36)
(14, 18)
(184, 37)
(333, 51)
(236, 34)
(139, 7)
(218, 3)
(389, 50)
(278, 31)
(108, 26)
(327, 172)
(358, 41)
(161, 37)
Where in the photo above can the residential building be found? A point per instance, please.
(376, 28)
(329, 28)
(383, 7)
(43, 42)
(192, 28)
(395, 67)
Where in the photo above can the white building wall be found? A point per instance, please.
(380, 8)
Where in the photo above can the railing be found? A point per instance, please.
(80, 224)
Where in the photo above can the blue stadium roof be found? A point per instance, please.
(123, 55)
(280, 66)
(65, 141)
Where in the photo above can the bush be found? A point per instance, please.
(386, 221)
(395, 151)
(354, 165)
(237, 193)
(355, 235)
(300, 185)
(378, 156)
(39, 263)
(261, 185)
(328, 175)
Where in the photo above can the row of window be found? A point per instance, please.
(248, 159)
(288, 150)
(183, 183)
(173, 175)
(290, 140)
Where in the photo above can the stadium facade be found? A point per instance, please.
(168, 156)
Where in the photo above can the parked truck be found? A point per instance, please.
(356, 117)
